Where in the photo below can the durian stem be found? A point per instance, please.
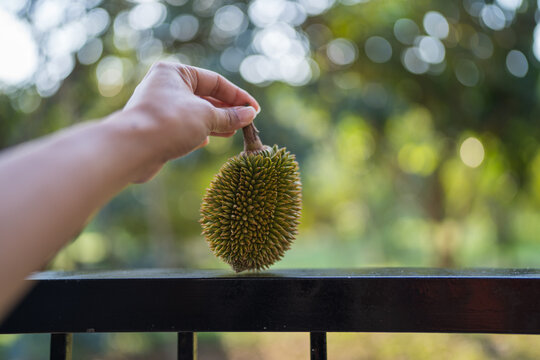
(252, 143)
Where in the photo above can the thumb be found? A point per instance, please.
(232, 118)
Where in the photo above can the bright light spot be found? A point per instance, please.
(436, 25)
(493, 17)
(431, 49)
(256, 69)
(417, 159)
(406, 31)
(474, 7)
(481, 45)
(125, 37)
(266, 12)
(96, 21)
(19, 55)
(467, 72)
(316, 7)
(229, 19)
(66, 39)
(205, 7)
(13, 6)
(184, 27)
(294, 70)
(293, 14)
(378, 49)
(48, 14)
(511, 5)
(341, 51)
(28, 101)
(47, 84)
(536, 42)
(150, 51)
(278, 40)
(91, 52)
(147, 15)
(259, 69)
(231, 59)
(274, 41)
(472, 152)
(60, 67)
(90, 247)
(516, 63)
(110, 76)
(413, 62)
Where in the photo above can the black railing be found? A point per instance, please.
(315, 301)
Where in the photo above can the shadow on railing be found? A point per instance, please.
(315, 301)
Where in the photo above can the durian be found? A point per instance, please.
(251, 210)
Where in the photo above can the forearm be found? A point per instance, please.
(49, 188)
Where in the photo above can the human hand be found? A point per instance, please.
(180, 106)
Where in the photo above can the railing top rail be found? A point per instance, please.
(368, 299)
(385, 272)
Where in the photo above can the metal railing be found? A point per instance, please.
(315, 301)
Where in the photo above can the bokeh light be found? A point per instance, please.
(436, 25)
(147, 15)
(467, 72)
(90, 52)
(378, 49)
(516, 63)
(511, 5)
(19, 54)
(96, 22)
(413, 62)
(184, 27)
(472, 152)
(344, 52)
(481, 45)
(266, 12)
(493, 17)
(316, 7)
(431, 49)
(230, 20)
(406, 30)
(110, 77)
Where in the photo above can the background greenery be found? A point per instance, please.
(417, 141)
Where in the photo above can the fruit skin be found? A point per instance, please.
(251, 210)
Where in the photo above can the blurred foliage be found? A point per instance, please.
(417, 141)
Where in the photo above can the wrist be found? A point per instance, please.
(133, 137)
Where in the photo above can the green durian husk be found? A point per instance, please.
(251, 211)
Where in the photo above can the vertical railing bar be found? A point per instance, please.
(318, 345)
(61, 346)
(187, 346)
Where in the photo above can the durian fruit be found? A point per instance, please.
(251, 210)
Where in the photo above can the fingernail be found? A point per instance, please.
(258, 111)
(245, 113)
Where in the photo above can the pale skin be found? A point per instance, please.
(50, 187)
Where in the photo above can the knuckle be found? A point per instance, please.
(161, 65)
(215, 117)
(189, 75)
(229, 119)
(232, 119)
(217, 85)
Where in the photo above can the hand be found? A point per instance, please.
(182, 105)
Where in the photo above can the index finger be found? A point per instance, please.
(212, 84)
